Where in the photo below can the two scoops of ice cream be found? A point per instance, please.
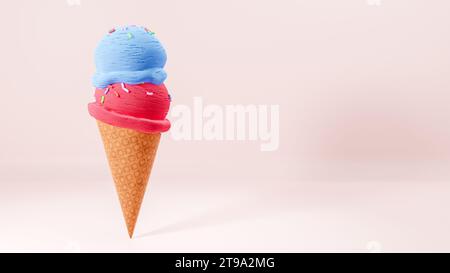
(131, 104)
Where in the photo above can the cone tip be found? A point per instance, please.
(130, 233)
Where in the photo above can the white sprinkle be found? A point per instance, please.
(149, 93)
(107, 91)
(124, 89)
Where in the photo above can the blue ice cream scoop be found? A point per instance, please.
(131, 55)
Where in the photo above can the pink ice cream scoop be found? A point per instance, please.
(141, 107)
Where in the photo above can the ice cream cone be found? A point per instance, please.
(130, 155)
(131, 105)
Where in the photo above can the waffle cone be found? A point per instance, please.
(130, 155)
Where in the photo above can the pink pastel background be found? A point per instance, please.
(364, 156)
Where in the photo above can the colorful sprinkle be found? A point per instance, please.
(130, 36)
(112, 30)
(106, 91)
(117, 94)
(124, 88)
(170, 97)
(149, 93)
(103, 100)
(149, 31)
